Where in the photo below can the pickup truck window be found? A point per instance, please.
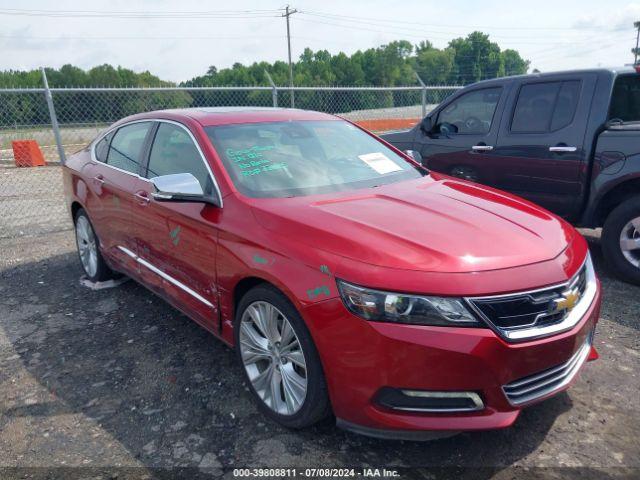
(625, 101)
(472, 113)
(545, 107)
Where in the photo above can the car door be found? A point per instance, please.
(177, 241)
(464, 134)
(113, 176)
(540, 153)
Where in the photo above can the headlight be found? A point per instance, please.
(402, 308)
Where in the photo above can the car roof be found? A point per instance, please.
(210, 116)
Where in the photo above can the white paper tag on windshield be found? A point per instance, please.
(380, 162)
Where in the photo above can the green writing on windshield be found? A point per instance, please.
(251, 161)
(247, 154)
(264, 168)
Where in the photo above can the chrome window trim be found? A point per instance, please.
(572, 367)
(157, 120)
(474, 397)
(167, 277)
(570, 321)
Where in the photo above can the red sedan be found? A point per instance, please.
(349, 279)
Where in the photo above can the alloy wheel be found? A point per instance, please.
(87, 246)
(630, 241)
(273, 358)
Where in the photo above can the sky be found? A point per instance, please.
(178, 40)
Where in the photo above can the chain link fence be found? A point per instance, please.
(31, 197)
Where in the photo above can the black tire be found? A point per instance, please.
(613, 227)
(316, 405)
(102, 272)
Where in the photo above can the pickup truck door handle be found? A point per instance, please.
(482, 148)
(99, 179)
(142, 197)
(562, 148)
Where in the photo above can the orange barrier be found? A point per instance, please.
(27, 153)
(385, 124)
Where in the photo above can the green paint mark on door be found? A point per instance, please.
(175, 236)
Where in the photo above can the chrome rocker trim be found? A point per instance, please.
(168, 278)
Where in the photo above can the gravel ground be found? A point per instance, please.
(118, 384)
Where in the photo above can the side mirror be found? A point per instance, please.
(426, 125)
(180, 187)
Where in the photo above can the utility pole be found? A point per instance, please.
(287, 13)
(636, 50)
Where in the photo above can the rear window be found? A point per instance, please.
(545, 107)
(625, 101)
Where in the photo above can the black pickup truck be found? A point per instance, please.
(569, 141)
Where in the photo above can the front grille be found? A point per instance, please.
(535, 386)
(529, 314)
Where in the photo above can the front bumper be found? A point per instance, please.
(359, 358)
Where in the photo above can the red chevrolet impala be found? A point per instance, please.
(349, 279)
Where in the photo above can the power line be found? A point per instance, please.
(141, 14)
(426, 35)
(317, 13)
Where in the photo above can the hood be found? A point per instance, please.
(430, 224)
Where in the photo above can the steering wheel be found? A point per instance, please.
(473, 124)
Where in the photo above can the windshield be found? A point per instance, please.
(283, 159)
(625, 101)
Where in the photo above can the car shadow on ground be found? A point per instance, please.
(135, 382)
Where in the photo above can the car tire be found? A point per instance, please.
(88, 244)
(622, 227)
(263, 342)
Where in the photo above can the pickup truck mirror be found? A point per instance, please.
(426, 125)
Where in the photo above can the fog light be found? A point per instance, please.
(428, 401)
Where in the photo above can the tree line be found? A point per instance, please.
(463, 61)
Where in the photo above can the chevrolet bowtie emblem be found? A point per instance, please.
(566, 302)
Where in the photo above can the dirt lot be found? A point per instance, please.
(120, 384)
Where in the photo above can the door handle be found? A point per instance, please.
(482, 148)
(562, 148)
(142, 197)
(99, 179)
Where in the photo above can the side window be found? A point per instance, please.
(565, 105)
(472, 113)
(545, 107)
(534, 107)
(625, 101)
(173, 151)
(125, 151)
(102, 148)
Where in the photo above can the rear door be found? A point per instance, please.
(464, 133)
(177, 241)
(541, 153)
(114, 175)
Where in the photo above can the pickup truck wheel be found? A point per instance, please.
(621, 240)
